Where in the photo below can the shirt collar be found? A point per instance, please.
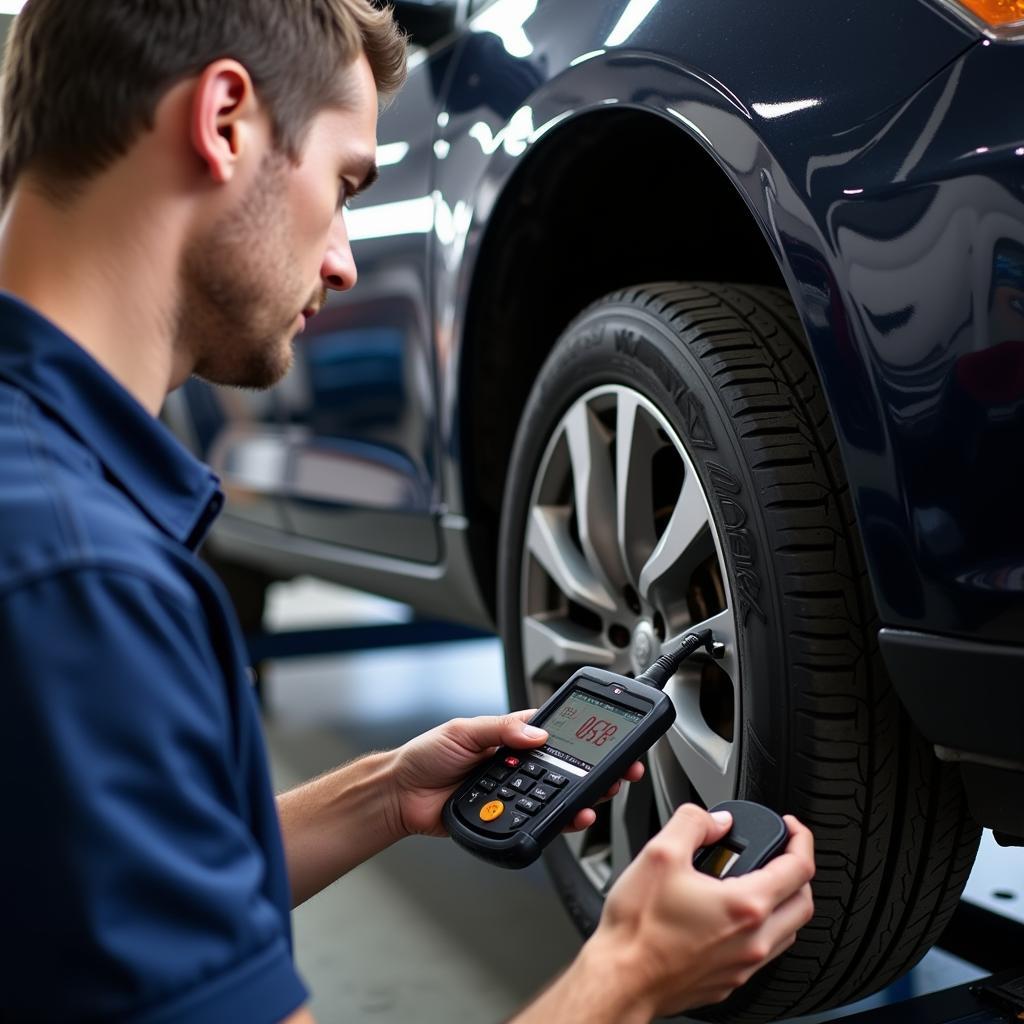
(174, 489)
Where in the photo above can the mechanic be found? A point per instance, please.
(173, 179)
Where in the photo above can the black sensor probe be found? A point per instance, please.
(668, 664)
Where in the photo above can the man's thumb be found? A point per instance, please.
(518, 733)
(693, 827)
(503, 730)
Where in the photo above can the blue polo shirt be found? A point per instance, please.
(143, 873)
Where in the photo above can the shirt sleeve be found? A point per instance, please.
(134, 883)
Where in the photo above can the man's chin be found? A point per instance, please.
(253, 373)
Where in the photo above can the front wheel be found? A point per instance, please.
(676, 467)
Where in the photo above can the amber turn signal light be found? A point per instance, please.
(997, 13)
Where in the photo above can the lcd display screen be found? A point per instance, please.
(588, 729)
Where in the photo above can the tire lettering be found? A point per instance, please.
(697, 424)
(741, 541)
(628, 342)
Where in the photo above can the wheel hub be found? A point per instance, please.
(643, 650)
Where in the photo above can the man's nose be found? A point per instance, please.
(338, 270)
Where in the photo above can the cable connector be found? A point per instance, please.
(668, 664)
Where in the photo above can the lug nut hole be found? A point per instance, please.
(618, 635)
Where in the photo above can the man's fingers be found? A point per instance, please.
(787, 920)
(691, 827)
(583, 820)
(801, 842)
(587, 817)
(613, 792)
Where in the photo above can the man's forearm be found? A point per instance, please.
(597, 988)
(337, 821)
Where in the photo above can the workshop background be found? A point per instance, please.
(424, 932)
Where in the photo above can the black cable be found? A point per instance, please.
(666, 666)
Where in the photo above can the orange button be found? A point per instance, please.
(491, 810)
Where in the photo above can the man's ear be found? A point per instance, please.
(223, 117)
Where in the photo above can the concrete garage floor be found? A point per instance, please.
(425, 932)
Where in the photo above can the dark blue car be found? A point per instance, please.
(679, 312)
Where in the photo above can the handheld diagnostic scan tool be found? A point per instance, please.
(598, 724)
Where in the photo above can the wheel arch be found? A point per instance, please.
(565, 230)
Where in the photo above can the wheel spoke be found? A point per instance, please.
(550, 542)
(558, 643)
(593, 857)
(635, 445)
(689, 519)
(590, 456)
(708, 760)
(629, 825)
(661, 792)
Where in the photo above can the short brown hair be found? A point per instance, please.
(83, 78)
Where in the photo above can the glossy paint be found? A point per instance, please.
(878, 148)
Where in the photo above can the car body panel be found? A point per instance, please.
(878, 150)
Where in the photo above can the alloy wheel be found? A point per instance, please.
(621, 554)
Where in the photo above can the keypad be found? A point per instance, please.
(520, 787)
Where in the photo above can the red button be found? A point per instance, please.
(512, 762)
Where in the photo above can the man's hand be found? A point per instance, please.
(671, 939)
(695, 938)
(430, 767)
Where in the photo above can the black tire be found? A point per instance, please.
(823, 735)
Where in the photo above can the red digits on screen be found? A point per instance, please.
(597, 731)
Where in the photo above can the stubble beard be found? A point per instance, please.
(240, 292)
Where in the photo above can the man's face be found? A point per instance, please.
(251, 280)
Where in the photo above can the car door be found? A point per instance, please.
(359, 407)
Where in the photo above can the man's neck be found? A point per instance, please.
(103, 271)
